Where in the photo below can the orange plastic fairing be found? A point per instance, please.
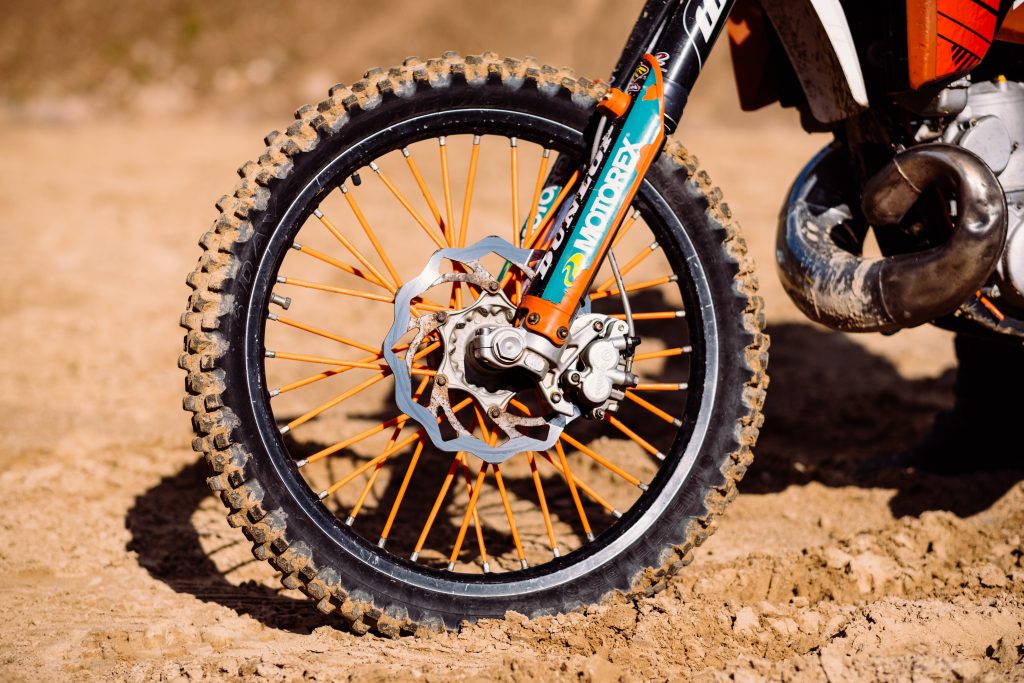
(947, 37)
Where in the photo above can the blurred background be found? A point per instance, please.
(253, 58)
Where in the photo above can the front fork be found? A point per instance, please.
(649, 90)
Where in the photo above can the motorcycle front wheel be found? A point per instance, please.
(294, 407)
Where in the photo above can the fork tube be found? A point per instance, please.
(626, 136)
(683, 46)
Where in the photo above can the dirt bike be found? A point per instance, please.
(473, 335)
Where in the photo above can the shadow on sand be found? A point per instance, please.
(831, 407)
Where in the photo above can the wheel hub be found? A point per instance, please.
(491, 316)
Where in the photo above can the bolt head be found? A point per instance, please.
(492, 286)
(533, 318)
(598, 413)
(562, 332)
(441, 316)
(556, 397)
(575, 378)
(598, 326)
(440, 380)
(494, 412)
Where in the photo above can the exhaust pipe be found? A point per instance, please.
(820, 240)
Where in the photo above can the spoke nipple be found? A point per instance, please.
(381, 541)
(282, 280)
(533, 318)
(415, 556)
(343, 188)
(659, 455)
(374, 167)
(494, 412)
(556, 553)
(677, 422)
(643, 486)
(683, 386)
(270, 354)
(442, 141)
(275, 393)
(451, 566)
(673, 278)
(523, 563)
(636, 214)
(272, 317)
(618, 515)
(296, 246)
(285, 429)
(301, 463)
(680, 314)
(487, 568)
(654, 246)
(318, 213)
(406, 153)
(323, 494)
(598, 326)
(687, 349)
(282, 301)
(547, 154)
(512, 141)
(590, 536)
(440, 380)
(349, 520)
(476, 139)
(562, 332)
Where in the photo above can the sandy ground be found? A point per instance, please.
(118, 565)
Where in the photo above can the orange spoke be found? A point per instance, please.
(335, 290)
(446, 181)
(584, 487)
(654, 315)
(333, 488)
(636, 438)
(353, 250)
(405, 203)
(626, 225)
(630, 265)
(385, 371)
(341, 265)
(337, 371)
(397, 420)
(662, 386)
(510, 516)
(538, 189)
(423, 190)
(647, 284)
(470, 509)
(437, 506)
(570, 479)
(401, 494)
(327, 405)
(361, 218)
(665, 353)
(322, 333)
(324, 361)
(601, 461)
(478, 527)
(653, 409)
(516, 227)
(542, 499)
(376, 471)
(470, 181)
